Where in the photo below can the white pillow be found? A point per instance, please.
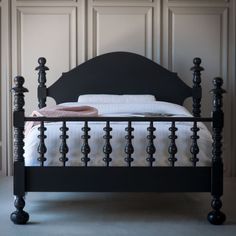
(107, 98)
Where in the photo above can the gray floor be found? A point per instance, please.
(117, 213)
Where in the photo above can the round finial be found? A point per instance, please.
(19, 81)
(197, 61)
(218, 81)
(42, 61)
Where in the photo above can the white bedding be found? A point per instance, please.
(109, 98)
(118, 141)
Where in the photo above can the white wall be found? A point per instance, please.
(170, 32)
(5, 86)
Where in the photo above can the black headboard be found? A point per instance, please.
(115, 73)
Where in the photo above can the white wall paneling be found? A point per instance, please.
(4, 85)
(124, 26)
(1, 109)
(232, 84)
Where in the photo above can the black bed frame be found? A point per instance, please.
(119, 73)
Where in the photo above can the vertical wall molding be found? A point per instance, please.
(1, 103)
(232, 83)
(5, 86)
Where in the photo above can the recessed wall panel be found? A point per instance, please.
(121, 29)
(49, 33)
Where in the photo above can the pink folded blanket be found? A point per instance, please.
(61, 111)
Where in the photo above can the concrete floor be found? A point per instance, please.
(117, 213)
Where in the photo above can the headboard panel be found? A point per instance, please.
(119, 73)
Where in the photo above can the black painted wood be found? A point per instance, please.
(216, 216)
(151, 149)
(120, 73)
(118, 179)
(42, 89)
(107, 149)
(197, 89)
(120, 119)
(129, 149)
(42, 149)
(63, 147)
(85, 149)
(194, 149)
(19, 178)
(18, 118)
(172, 147)
(19, 216)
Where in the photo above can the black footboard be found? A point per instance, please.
(119, 179)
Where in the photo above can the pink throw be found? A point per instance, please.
(61, 111)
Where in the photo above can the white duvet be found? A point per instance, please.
(118, 141)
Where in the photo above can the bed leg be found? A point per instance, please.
(19, 216)
(217, 217)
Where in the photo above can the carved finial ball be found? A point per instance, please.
(19, 81)
(197, 61)
(42, 61)
(218, 81)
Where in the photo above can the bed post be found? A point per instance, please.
(197, 89)
(216, 217)
(19, 216)
(42, 89)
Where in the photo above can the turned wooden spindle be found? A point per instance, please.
(172, 147)
(129, 149)
(42, 89)
(85, 149)
(151, 149)
(63, 147)
(107, 149)
(42, 149)
(197, 89)
(194, 149)
(18, 118)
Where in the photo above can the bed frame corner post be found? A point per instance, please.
(42, 89)
(197, 89)
(19, 216)
(217, 217)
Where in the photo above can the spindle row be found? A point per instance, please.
(129, 149)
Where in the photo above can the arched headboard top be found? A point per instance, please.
(120, 73)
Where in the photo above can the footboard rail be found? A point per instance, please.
(117, 179)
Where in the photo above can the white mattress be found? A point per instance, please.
(118, 141)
